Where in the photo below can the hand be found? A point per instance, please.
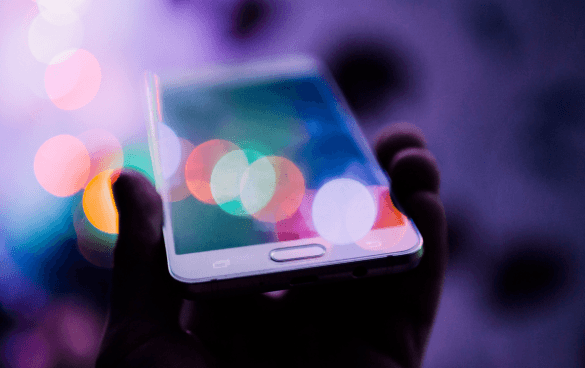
(383, 321)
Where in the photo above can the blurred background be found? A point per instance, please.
(498, 88)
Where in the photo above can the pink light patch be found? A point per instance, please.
(200, 164)
(73, 80)
(288, 194)
(300, 224)
(79, 334)
(62, 165)
(388, 214)
(105, 151)
(176, 184)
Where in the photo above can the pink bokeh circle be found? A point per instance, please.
(62, 165)
(73, 80)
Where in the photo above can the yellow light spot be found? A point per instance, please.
(98, 203)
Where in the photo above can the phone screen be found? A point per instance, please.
(264, 161)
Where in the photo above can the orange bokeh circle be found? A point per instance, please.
(288, 194)
(98, 202)
(200, 164)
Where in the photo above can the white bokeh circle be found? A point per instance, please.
(47, 40)
(257, 185)
(170, 150)
(227, 175)
(343, 211)
(61, 12)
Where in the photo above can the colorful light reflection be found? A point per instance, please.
(388, 214)
(200, 164)
(257, 185)
(288, 193)
(244, 182)
(225, 182)
(300, 224)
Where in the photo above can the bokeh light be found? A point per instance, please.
(47, 40)
(300, 224)
(96, 246)
(105, 151)
(343, 211)
(243, 181)
(225, 181)
(62, 165)
(98, 202)
(137, 157)
(73, 79)
(74, 328)
(176, 184)
(257, 185)
(61, 12)
(80, 334)
(200, 164)
(170, 150)
(31, 14)
(30, 349)
(116, 107)
(288, 193)
(391, 237)
(388, 214)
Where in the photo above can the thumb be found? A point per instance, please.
(144, 298)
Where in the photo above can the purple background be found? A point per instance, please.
(498, 88)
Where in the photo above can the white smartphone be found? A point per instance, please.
(268, 182)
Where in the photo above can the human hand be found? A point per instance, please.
(380, 321)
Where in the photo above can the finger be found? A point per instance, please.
(408, 301)
(141, 280)
(428, 214)
(395, 138)
(144, 299)
(412, 170)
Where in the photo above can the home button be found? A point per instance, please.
(298, 252)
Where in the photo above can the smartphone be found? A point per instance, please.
(268, 182)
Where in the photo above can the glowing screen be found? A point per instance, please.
(251, 163)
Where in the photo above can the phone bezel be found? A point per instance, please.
(279, 275)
